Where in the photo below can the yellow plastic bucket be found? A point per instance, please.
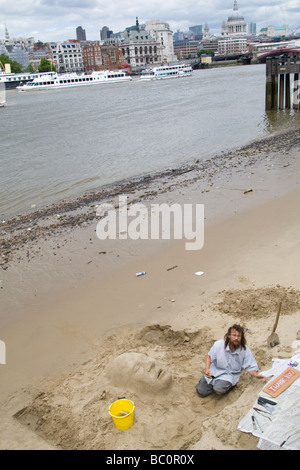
(122, 413)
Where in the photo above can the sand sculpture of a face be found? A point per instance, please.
(138, 372)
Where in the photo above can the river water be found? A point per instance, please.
(60, 144)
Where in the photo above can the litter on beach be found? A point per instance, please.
(278, 423)
(173, 267)
(199, 273)
(142, 273)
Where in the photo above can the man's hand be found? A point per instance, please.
(257, 376)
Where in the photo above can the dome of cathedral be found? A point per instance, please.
(235, 25)
(237, 17)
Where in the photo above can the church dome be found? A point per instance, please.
(235, 18)
(235, 25)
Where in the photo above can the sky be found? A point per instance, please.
(56, 20)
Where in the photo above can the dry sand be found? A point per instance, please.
(71, 304)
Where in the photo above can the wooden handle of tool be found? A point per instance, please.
(277, 317)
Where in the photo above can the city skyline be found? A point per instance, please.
(57, 20)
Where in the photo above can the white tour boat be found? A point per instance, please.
(12, 80)
(74, 79)
(167, 71)
(2, 95)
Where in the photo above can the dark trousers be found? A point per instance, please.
(219, 386)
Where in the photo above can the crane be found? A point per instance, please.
(294, 30)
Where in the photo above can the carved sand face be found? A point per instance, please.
(138, 371)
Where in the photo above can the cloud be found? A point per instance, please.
(57, 20)
(69, 4)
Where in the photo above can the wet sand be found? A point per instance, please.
(70, 301)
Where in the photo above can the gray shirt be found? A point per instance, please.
(227, 365)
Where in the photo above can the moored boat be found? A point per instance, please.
(2, 95)
(12, 80)
(74, 79)
(167, 71)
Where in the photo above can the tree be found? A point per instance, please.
(15, 66)
(29, 69)
(4, 59)
(207, 52)
(46, 66)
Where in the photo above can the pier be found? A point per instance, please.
(281, 91)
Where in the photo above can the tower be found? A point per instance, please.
(206, 33)
(80, 34)
(7, 38)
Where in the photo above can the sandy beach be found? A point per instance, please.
(73, 310)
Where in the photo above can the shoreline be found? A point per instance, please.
(72, 302)
(17, 231)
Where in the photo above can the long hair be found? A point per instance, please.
(238, 328)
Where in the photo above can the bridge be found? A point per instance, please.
(277, 51)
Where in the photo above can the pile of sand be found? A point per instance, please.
(259, 303)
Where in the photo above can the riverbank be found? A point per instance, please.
(72, 302)
(24, 230)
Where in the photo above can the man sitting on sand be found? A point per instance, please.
(225, 362)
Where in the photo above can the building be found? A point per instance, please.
(178, 36)
(196, 32)
(67, 56)
(252, 29)
(235, 25)
(105, 33)
(275, 31)
(38, 51)
(206, 32)
(107, 56)
(139, 48)
(232, 46)
(210, 44)
(16, 52)
(112, 56)
(92, 56)
(186, 49)
(206, 59)
(161, 33)
(80, 34)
